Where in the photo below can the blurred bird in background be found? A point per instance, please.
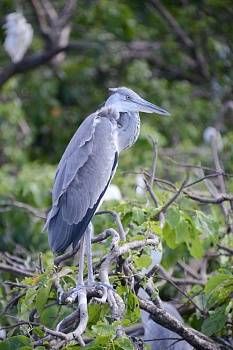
(19, 35)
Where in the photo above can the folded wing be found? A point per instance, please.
(82, 177)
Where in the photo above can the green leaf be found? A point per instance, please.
(215, 322)
(138, 215)
(153, 226)
(219, 289)
(104, 329)
(49, 315)
(38, 331)
(42, 297)
(169, 234)
(196, 248)
(96, 312)
(73, 347)
(206, 224)
(27, 303)
(179, 228)
(132, 313)
(183, 229)
(173, 217)
(100, 342)
(217, 280)
(124, 343)
(142, 261)
(17, 342)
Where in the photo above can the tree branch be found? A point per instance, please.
(196, 339)
(5, 204)
(180, 34)
(183, 38)
(36, 60)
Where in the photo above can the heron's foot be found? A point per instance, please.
(71, 296)
(93, 290)
(102, 289)
(74, 325)
(109, 296)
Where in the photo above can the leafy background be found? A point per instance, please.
(123, 43)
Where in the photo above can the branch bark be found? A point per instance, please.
(196, 339)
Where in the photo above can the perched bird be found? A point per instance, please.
(19, 36)
(89, 163)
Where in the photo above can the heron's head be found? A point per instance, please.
(126, 100)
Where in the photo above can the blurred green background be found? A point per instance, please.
(186, 69)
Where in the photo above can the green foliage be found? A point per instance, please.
(132, 313)
(40, 111)
(96, 312)
(179, 229)
(215, 322)
(219, 289)
(19, 342)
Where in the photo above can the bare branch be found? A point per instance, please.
(67, 12)
(172, 281)
(41, 17)
(222, 197)
(16, 270)
(117, 219)
(198, 340)
(10, 203)
(173, 198)
(195, 54)
(36, 60)
(173, 24)
(227, 249)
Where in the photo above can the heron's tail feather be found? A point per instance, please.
(60, 234)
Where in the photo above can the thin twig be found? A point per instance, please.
(227, 249)
(16, 270)
(117, 219)
(173, 198)
(10, 203)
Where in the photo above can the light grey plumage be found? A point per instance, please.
(89, 163)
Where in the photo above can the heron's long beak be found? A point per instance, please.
(147, 107)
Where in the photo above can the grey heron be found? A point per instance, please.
(88, 166)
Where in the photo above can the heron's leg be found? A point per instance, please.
(80, 281)
(88, 236)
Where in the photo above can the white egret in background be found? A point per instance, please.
(19, 35)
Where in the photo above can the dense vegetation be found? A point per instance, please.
(177, 55)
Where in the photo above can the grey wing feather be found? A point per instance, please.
(83, 174)
(70, 163)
